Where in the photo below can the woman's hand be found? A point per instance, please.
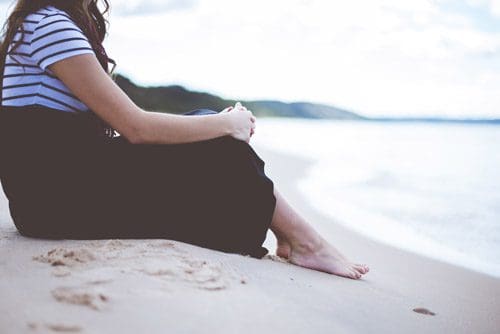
(241, 120)
(239, 106)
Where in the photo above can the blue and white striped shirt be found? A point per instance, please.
(50, 36)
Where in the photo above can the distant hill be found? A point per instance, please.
(299, 109)
(177, 100)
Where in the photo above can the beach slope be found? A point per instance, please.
(162, 286)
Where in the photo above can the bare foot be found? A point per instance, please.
(324, 257)
(283, 248)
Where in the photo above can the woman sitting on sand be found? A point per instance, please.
(67, 174)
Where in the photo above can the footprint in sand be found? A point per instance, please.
(195, 272)
(422, 310)
(80, 296)
(63, 328)
(159, 272)
(204, 275)
(61, 272)
(161, 246)
(160, 259)
(66, 257)
(100, 281)
(59, 328)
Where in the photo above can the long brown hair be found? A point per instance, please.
(85, 13)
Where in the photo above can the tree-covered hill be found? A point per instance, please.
(177, 99)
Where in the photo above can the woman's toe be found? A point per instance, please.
(363, 267)
(354, 274)
(359, 269)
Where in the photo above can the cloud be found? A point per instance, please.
(386, 57)
(492, 5)
(495, 7)
(141, 7)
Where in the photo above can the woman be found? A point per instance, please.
(67, 175)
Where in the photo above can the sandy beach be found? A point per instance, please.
(164, 286)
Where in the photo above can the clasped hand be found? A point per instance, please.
(243, 121)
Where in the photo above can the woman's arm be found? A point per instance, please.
(87, 80)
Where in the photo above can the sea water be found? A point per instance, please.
(430, 188)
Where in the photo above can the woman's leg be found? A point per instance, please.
(298, 241)
(303, 246)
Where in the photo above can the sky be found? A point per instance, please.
(375, 57)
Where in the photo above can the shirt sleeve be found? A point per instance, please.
(55, 38)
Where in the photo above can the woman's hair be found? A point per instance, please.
(85, 13)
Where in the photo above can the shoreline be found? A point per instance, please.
(469, 264)
(157, 285)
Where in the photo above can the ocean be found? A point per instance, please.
(429, 188)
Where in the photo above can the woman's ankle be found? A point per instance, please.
(302, 239)
(309, 244)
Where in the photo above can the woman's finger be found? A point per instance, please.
(239, 106)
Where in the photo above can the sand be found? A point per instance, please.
(164, 286)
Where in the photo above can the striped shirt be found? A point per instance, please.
(50, 36)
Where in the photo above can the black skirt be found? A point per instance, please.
(65, 178)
